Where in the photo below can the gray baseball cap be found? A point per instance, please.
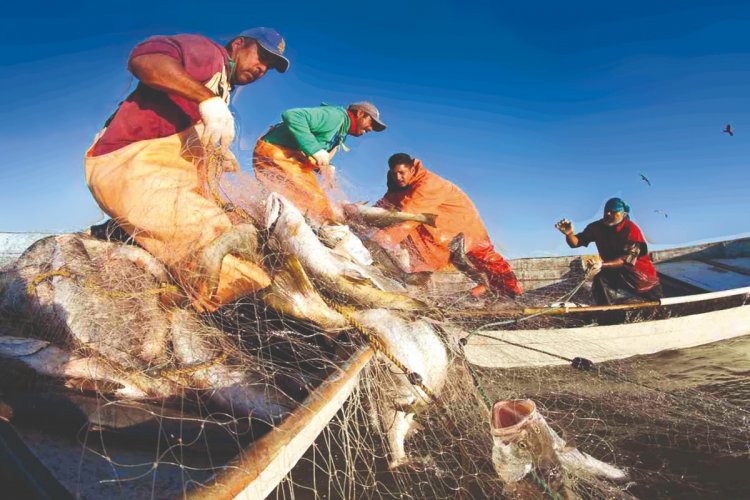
(370, 109)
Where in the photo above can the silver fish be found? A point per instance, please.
(93, 302)
(292, 294)
(48, 359)
(524, 444)
(382, 217)
(289, 234)
(244, 389)
(418, 346)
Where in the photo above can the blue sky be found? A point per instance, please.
(537, 111)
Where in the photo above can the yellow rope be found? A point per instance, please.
(35, 282)
(163, 287)
(176, 372)
(413, 377)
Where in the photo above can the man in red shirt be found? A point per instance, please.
(625, 267)
(459, 236)
(148, 167)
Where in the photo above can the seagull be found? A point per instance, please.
(646, 179)
(663, 213)
(728, 130)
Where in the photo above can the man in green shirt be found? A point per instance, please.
(289, 155)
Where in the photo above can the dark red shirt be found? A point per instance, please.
(612, 243)
(148, 113)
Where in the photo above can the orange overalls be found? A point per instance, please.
(428, 247)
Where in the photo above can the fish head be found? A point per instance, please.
(520, 444)
(352, 209)
(274, 209)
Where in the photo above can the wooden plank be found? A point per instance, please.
(259, 469)
(704, 275)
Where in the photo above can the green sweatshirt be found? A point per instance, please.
(310, 129)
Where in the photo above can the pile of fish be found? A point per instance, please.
(76, 308)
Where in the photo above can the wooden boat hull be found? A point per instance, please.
(545, 347)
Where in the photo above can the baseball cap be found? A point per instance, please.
(370, 109)
(272, 42)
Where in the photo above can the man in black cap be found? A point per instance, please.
(288, 156)
(147, 167)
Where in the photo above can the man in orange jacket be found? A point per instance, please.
(459, 236)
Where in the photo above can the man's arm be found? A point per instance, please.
(167, 74)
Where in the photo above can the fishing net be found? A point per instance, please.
(676, 423)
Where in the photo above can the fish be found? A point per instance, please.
(292, 294)
(418, 346)
(244, 389)
(75, 290)
(48, 359)
(383, 217)
(289, 234)
(525, 445)
(86, 310)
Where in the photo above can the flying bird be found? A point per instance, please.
(662, 213)
(646, 179)
(728, 130)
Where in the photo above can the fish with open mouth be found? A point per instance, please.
(525, 445)
(382, 217)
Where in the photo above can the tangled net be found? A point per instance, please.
(677, 433)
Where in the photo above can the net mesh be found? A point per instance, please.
(677, 427)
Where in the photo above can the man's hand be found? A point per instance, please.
(565, 227)
(218, 122)
(322, 158)
(593, 267)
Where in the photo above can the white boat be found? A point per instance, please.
(707, 299)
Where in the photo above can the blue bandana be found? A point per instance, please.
(617, 205)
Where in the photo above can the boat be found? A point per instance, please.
(706, 299)
(53, 441)
(707, 288)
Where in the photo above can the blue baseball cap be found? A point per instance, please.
(272, 42)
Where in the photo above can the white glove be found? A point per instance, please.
(322, 158)
(218, 122)
(594, 267)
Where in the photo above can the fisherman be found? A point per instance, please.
(412, 188)
(147, 168)
(624, 267)
(288, 156)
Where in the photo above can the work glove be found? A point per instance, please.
(322, 158)
(593, 268)
(218, 123)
